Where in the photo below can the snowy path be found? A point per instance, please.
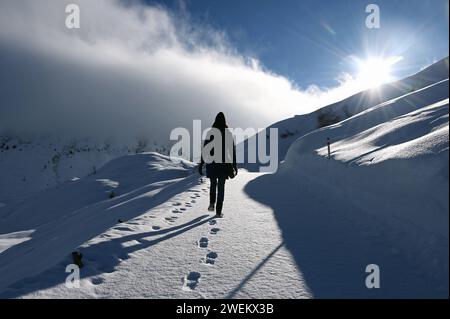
(177, 250)
(288, 243)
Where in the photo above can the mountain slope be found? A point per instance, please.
(387, 176)
(432, 83)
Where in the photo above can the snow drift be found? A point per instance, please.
(46, 228)
(387, 175)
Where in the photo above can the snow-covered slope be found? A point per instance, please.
(30, 165)
(45, 228)
(434, 79)
(388, 177)
(396, 168)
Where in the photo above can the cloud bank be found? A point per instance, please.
(133, 69)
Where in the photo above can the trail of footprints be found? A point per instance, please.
(191, 281)
(179, 208)
(106, 264)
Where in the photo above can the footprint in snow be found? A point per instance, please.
(156, 227)
(203, 242)
(176, 211)
(212, 222)
(183, 209)
(214, 231)
(190, 281)
(133, 223)
(171, 219)
(176, 204)
(210, 258)
(123, 228)
(193, 201)
(97, 281)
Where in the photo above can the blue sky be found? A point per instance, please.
(133, 61)
(309, 41)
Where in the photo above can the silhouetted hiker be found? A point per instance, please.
(219, 171)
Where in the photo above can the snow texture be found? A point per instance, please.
(307, 231)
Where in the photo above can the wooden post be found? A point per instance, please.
(329, 149)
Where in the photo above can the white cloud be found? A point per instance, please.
(134, 69)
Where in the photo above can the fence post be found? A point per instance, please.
(329, 150)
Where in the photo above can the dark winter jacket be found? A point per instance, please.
(225, 168)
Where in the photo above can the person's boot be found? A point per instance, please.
(219, 210)
(211, 207)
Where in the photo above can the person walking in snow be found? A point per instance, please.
(219, 154)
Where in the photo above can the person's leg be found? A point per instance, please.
(220, 195)
(212, 193)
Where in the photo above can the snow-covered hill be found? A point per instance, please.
(387, 178)
(40, 231)
(30, 165)
(432, 83)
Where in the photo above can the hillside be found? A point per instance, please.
(432, 83)
(30, 165)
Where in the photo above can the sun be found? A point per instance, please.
(375, 71)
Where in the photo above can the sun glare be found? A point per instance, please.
(376, 71)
